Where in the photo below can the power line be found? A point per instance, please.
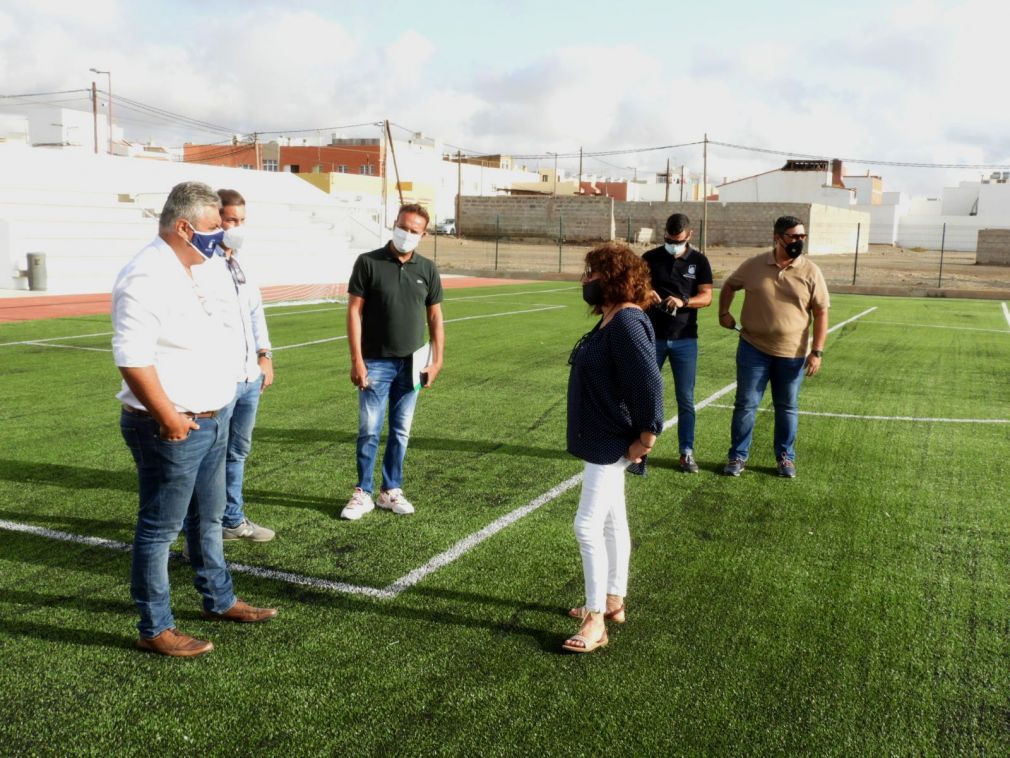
(863, 161)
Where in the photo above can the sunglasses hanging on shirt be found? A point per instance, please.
(237, 274)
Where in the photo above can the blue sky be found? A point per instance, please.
(893, 80)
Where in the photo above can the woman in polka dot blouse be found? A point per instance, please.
(615, 414)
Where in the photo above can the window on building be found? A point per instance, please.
(543, 178)
(368, 169)
(269, 164)
(317, 169)
(342, 169)
(245, 165)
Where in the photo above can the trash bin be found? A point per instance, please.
(37, 272)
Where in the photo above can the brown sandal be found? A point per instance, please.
(579, 644)
(617, 615)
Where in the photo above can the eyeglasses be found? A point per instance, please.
(588, 272)
(237, 274)
(794, 236)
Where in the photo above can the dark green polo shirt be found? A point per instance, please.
(395, 317)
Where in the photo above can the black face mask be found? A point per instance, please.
(592, 292)
(794, 249)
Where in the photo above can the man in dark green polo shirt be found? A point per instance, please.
(392, 294)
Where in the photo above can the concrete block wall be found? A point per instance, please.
(993, 247)
(732, 224)
(581, 218)
(837, 230)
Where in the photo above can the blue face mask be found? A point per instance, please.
(207, 243)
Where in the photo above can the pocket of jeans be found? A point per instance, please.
(132, 439)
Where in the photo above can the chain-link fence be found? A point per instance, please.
(844, 253)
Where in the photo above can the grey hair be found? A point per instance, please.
(187, 201)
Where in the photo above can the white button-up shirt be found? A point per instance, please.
(241, 307)
(163, 318)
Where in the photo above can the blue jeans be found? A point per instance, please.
(754, 369)
(389, 381)
(683, 355)
(243, 419)
(173, 476)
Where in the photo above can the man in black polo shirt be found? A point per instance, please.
(393, 292)
(681, 283)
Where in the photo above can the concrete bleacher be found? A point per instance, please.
(89, 214)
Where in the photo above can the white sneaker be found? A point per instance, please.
(393, 500)
(359, 504)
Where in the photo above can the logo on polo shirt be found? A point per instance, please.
(420, 281)
(690, 271)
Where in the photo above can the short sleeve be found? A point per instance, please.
(358, 284)
(820, 299)
(703, 273)
(434, 288)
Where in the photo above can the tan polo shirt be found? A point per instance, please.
(776, 314)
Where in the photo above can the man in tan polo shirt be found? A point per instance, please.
(784, 292)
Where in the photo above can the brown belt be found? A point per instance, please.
(144, 414)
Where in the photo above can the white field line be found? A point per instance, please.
(447, 321)
(1006, 313)
(309, 310)
(935, 326)
(55, 339)
(505, 294)
(238, 568)
(861, 417)
(411, 578)
(71, 347)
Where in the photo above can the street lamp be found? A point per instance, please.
(109, 75)
(555, 172)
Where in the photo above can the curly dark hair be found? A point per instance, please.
(625, 277)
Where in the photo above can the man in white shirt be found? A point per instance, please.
(172, 350)
(256, 372)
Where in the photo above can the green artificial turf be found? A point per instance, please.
(861, 608)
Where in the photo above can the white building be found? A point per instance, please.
(954, 219)
(796, 182)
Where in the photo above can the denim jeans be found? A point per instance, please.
(243, 419)
(601, 528)
(173, 477)
(754, 370)
(389, 381)
(683, 355)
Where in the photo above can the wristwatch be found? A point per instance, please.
(268, 354)
(817, 353)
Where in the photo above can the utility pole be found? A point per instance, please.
(681, 182)
(555, 193)
(396, 169)
(109, 75)
(256, 151)
(459, 191)
(94, 113)
(579, 192)
(704, 189)
(383, 169)
(667, 199)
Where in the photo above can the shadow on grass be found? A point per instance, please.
(84, 637)
(478, 447)
(67, 477)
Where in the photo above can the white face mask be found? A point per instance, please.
(234, 238)
(405, 241)
(674, 248)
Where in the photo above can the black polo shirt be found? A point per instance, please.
(397, 295)
(679, 277)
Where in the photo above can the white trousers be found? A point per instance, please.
(601, 528)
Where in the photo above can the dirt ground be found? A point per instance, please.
(882, 266)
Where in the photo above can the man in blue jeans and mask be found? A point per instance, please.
(392, 294)
(173, 350)
(785, 291)
(255, 374)
(681, 284)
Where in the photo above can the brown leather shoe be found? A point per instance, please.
(172, 642)
(243, 613)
